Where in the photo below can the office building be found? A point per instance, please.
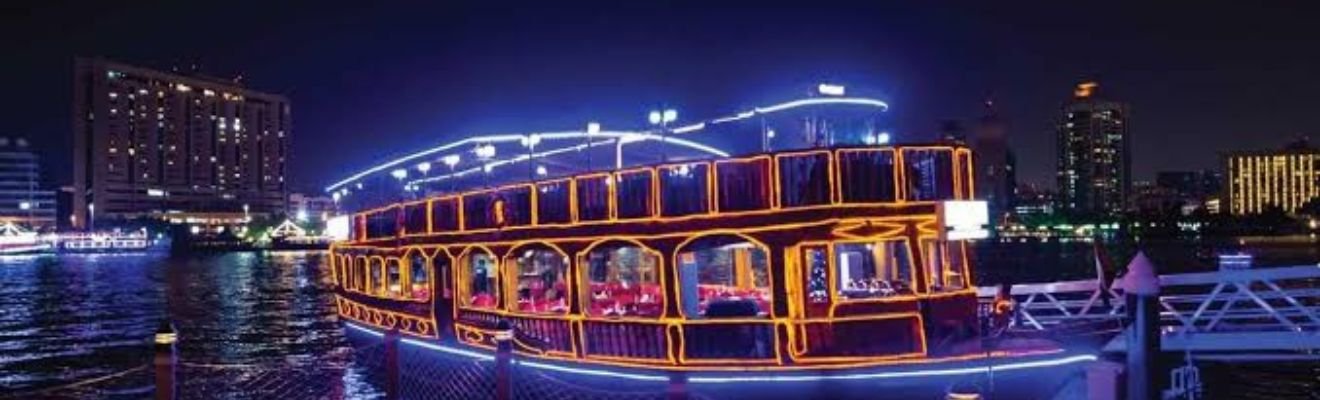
(303, 207)
(23, 201)
(1094, 162)
(180, 146)
(996, 178)
(1284, 179)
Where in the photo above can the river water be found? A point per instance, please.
(68, 318)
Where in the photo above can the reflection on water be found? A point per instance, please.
(71, 317)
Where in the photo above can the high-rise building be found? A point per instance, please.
(996, 178)
(1095, 166)
(23, 201)
(1262, 180)
(149, 143)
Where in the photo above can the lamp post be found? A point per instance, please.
(485, 152)
(451, 161)
(530, 143)
(662, 119)
(592, 129)
(425, 168)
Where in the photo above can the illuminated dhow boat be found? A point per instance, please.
(846, 257)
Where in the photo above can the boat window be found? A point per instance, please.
(381, 224)
(376, 286)
(873, 269)
(479, 211)
(552, 203)
(724, 277)
(804, 179)
(945, 264)
(419, 277)
(867, 176)
(414, 219)
(541, 288)
(444, 215)
(817, 277)
(515, 206)
(929, 174)
(593, 198)
(361, 270)
(743, 185)
(482, 290)
(683, 189)
(633, 194)
(623, 281)
(394, 276)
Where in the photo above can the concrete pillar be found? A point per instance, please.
(165, 361)
(392, 363)
(503, 359)
(1142, 288)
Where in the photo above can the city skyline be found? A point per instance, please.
(420, 81)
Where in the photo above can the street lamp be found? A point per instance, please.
(530, 142)
(662, 119)
(593, 128)
(451, 161)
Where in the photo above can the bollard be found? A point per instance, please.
(165, 361)
(677, 386)
(1142, 291)
(392, 363)
(503, 359)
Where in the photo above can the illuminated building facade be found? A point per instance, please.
(23, 201)
(148, 143)
(1094, 162)
(1261, 180)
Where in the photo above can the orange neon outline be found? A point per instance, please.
(460, 283)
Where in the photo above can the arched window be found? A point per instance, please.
(361, 270)
(724, 277)
(540, 286)
(394, 278)
(877, 269)
(376, 286)
(481, 289)
(623, 280)
(419, 277)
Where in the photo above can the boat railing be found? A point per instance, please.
(678, 191)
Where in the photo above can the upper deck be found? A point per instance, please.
(726, 193)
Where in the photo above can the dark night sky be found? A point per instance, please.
(369, 83)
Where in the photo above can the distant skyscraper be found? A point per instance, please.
(149, 143)
(1095, 166)
(1261, 180)
(22, 199)
(996, 180)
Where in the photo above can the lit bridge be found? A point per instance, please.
(1250, 314)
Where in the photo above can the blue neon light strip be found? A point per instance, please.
(750, 378)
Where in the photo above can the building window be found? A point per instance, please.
(541, 287)
(945, 264)
(623, 281)
(724, 277)
(394, 278)
(873, 269)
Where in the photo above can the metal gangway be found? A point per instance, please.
(1248, 314)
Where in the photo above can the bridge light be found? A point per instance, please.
(485, 151)
(593, 128)
(540, 170)
(883, 138)
(671, 115)
(399, 173)
(654, 117)
(424, 167)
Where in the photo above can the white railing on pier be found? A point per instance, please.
(1261, 309)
